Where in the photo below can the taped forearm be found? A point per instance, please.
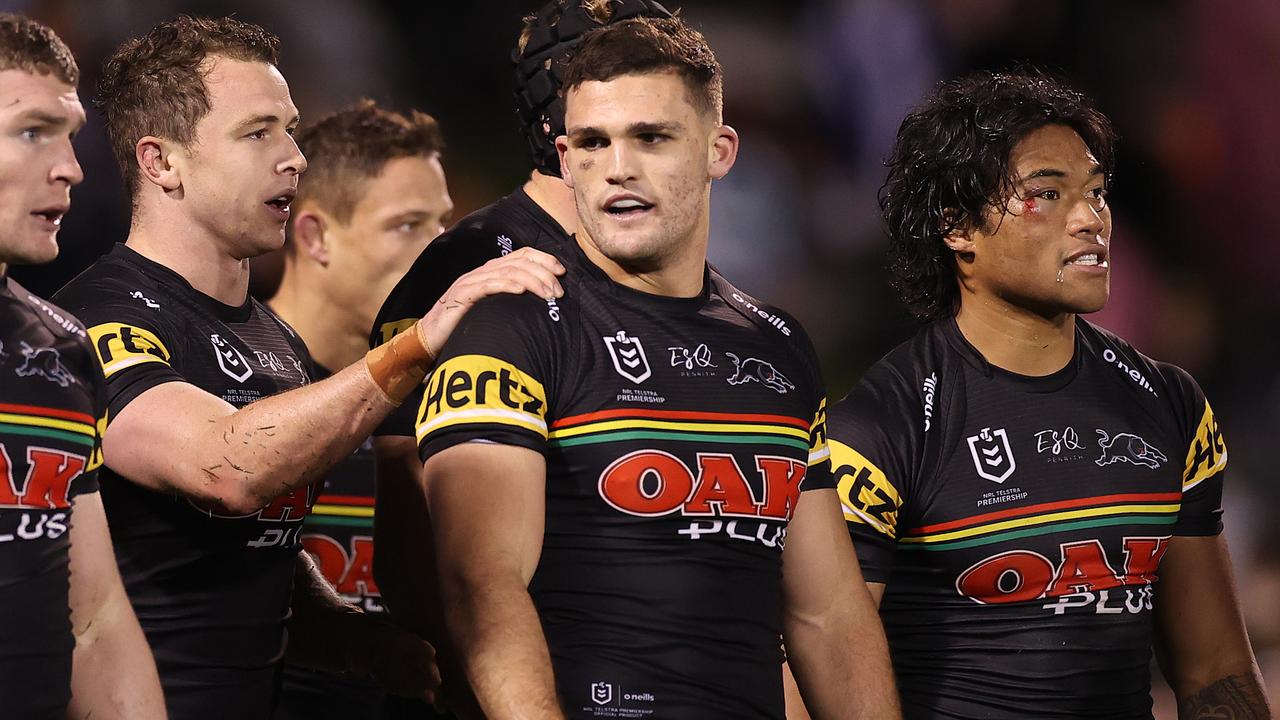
(399, 365)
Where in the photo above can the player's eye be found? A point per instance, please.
(592, 143)
(1048, 194)
(31, 133)
(408, 226)
(651, 138)
(257, 134)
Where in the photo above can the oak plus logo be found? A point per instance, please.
(992, 456)
(628, 356)
(230, 359)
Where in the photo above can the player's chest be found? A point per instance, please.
(48, 428)
(240, 362)
(1063, 498)
(694, 428)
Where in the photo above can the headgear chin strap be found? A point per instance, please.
(557, 29)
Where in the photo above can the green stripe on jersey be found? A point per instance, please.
(46, 433)
(621, 435)
(1044, 530)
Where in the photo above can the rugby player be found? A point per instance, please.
(539, 214)
(70, 645)
(1034, 502)
(373, 196)
(612, 476)
(215, 448)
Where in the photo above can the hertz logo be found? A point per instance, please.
(866, 494)
(1207, 455)
(391, 329)
(121, 346)
(481, 390)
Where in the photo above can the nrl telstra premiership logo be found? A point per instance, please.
(628, 356)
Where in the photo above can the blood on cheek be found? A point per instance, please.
(1030, 205)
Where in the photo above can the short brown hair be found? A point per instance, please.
(648, 45)
(347, 148)
(154, 84)
(31, 46)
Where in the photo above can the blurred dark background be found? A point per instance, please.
(817, 90)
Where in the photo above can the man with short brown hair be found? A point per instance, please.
(629, 486)
(218, 436)
(373, 197)
(69, 641)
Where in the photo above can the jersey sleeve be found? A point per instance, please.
(818, 473)
(1204, 462)
(446, 259)
(870, 443)
(133, 344)
(494, 379)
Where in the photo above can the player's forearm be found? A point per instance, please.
(1234, 696)
(841, 663)
(282, 443)
(113, 674)
(495, 627)
(324, 629)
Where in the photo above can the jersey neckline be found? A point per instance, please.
(661, 303)
(223, 311)
(1027, 383)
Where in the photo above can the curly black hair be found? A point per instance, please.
(950, 162)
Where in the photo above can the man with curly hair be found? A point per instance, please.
(1017, 479)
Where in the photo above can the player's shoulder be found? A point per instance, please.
(116, 284)
(491, 232)
(59, 322)
(1144, 376)
(770, 318)
(903, 388)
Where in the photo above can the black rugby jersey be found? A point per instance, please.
(491, 232)
(1019, 522)
(51, 416)
(678, 435)
(338, 533)
(210, 590)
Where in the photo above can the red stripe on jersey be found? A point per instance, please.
(46, 412)
(1046, 507)
(345, 500)
(679, 415)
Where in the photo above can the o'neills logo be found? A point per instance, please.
(651, 483)
(768, 317)
(1110, 356)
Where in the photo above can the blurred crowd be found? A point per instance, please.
(817, 90)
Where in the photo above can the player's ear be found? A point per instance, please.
(160, 162)
(723, 151)
(562, 148)
(959, 233)
(310, 236)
